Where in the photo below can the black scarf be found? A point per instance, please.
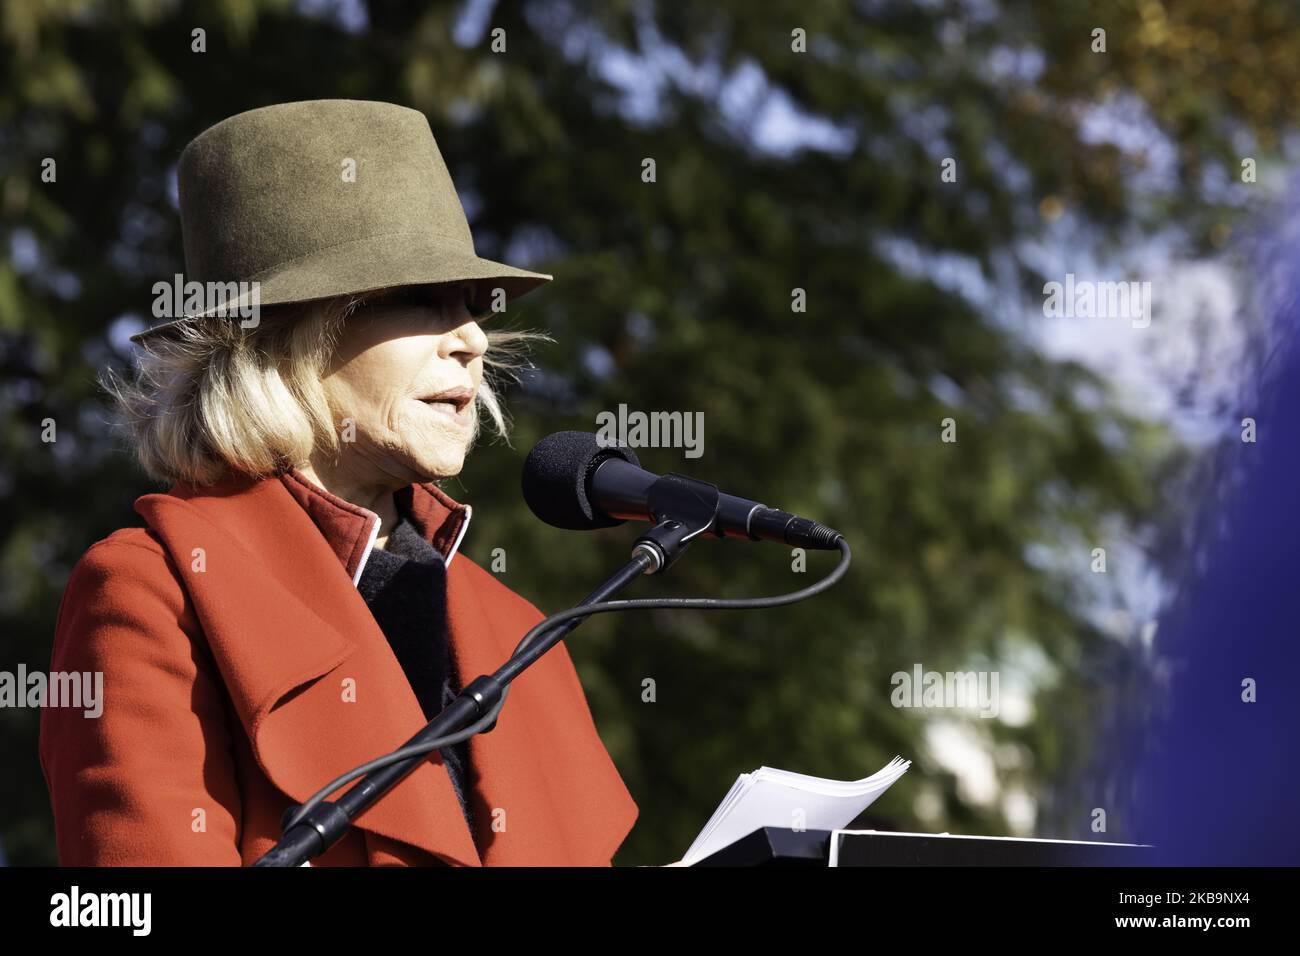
(405, 587)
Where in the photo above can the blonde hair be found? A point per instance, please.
(210, 396)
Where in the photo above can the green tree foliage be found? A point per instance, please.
(677, 294)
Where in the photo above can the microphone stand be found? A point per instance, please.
(682, 507)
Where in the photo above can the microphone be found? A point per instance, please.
(572, 481)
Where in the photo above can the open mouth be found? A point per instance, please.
(458, 398)
(455, 403)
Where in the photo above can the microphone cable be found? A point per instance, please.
(602, 607)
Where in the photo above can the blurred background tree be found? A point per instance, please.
(797, 146)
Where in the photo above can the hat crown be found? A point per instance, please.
(273, 185)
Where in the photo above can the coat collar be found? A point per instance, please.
(351, 530)
(318, 689)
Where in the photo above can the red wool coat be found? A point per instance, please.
(243, 671)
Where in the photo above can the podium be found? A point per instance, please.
(781, 846)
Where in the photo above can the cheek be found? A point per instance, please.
(371, 391)
(358, 403)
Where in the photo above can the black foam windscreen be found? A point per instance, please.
(555, 479)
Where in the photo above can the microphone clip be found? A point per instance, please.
(683, 508)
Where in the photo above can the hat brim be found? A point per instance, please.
(378, 262)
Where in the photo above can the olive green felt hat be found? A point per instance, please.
(323, 198)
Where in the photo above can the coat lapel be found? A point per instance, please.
(310, 674)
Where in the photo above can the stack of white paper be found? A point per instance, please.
(771, 798)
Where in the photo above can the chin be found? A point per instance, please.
(432, 454)
(438, 467)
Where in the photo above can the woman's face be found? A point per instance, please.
(402, 387)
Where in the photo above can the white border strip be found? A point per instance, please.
(464, 526)
(370, 546)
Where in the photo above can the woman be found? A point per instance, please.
(297, 603)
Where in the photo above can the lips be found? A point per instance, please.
(453, 405)
(458, 398)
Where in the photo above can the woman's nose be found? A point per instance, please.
(466, 339)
